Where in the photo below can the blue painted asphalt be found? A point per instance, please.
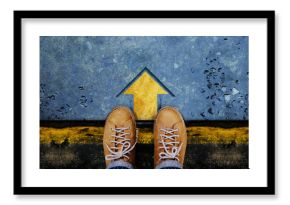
(81, 76)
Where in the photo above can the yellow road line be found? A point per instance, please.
(195, 135)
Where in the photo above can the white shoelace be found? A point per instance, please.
(120, 139)
(175, 147)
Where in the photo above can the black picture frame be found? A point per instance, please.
(269, 189)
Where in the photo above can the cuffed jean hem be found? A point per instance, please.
(169, 164)
(120, 164)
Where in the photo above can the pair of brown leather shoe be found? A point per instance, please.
(120, 137)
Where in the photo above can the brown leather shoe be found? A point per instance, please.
(119, 138)
(170, 138)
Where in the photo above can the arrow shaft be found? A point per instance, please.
(145, 107)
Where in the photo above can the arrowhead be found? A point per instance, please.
(144, 83)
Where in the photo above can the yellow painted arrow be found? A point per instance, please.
(145, 90)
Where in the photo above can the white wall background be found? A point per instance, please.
(282, 98)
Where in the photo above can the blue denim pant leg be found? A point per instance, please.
(119, 167)
(169, 164)
(170, 168)
(120, 164)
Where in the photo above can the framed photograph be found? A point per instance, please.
(144, 102)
